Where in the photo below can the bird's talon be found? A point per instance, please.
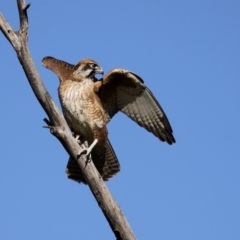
(88, 160)
(77, 137)
(83, 151)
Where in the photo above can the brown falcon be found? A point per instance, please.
(89, 104)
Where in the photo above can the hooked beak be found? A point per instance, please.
(99, 71)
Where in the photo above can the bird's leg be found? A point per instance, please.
(88, 150)
(91, 146)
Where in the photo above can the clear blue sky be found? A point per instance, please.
(188, 53)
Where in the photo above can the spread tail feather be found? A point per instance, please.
(104, 159)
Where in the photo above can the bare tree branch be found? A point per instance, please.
(59, 128)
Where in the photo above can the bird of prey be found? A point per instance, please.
(88, 104)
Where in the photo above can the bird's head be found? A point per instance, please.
(87, 68)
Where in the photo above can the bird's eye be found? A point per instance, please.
(93, 65)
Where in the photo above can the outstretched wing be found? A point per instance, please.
(124, 91)
(61, 68)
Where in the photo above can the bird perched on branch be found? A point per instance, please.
(89, 104)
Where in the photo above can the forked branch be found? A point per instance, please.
(18, 39)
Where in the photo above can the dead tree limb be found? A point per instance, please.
(58, 126)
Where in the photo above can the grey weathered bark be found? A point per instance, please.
(58, 126)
